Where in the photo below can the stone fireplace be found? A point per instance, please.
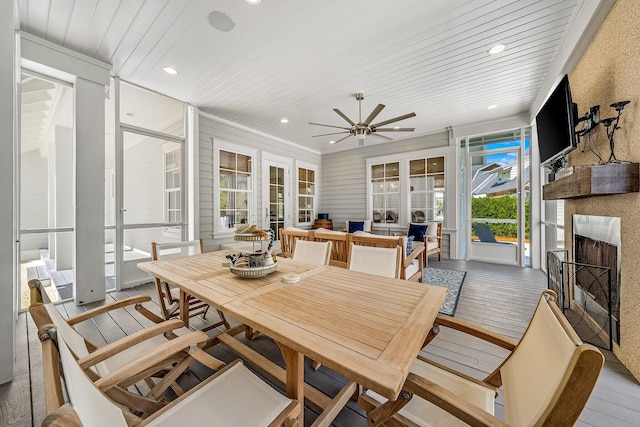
(597, 242)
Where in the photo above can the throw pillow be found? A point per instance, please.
(356, 226)
(409, 244)
(417, 231)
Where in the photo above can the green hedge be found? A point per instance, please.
(501, 207)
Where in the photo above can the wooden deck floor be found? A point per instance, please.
(500, 298)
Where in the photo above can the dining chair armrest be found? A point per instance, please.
(149, 360)
(450, 402)
(74, 320)
(113, 348)
(64, 416)
(415, 254)
(476, 331)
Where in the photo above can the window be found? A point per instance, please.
(411, 187)
(235, 189)
(306, 195)
(426, 189)
(172, 199)
(385, 189)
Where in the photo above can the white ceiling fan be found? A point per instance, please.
(363, 128)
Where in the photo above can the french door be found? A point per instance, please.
(276, 191)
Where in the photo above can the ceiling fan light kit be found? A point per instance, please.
(363, 128)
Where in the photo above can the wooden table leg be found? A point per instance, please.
(294, 364)
(184, 308)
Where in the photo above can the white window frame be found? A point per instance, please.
(404, 211)
(427, 191)
(314, 211)
(177, 229)
(251, 198)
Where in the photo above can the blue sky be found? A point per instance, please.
(505, 158)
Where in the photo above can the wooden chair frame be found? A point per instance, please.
(60, 413)
(165, 372)
(288, 239)
(563, 409)
(340, 246)
(169, 297)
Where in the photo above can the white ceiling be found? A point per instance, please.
(299, 59)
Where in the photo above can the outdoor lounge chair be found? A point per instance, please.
(484, 233)
(546, 380)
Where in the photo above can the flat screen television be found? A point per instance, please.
(556, 123)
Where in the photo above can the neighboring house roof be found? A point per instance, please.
(489, 180)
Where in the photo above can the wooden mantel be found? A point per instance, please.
(595, 180)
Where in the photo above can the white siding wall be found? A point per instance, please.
(212, 129)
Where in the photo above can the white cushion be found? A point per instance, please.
(327, 231)
(295, 229)
(431, 245)
(411, 269)
(432, 231)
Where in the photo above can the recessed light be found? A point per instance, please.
(396, 127)
(284, 121)
(332, 142)
(491, 107)
(220, 21)
(497, 49)
(253, 2)
(170, 70)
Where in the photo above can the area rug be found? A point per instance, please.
(450, 279)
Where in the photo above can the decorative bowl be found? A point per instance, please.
(254, 272)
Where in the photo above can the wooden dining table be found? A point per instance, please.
(367, 328)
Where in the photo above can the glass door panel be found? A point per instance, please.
(496, 218)
(152, 202)
(276, 199)
(47, 189)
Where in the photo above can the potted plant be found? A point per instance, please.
(554, 166)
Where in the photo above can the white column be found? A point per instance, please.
(89, 165)
(8, 108)
(63, 196)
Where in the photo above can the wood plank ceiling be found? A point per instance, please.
(299, 59)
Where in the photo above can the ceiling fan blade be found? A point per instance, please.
(381, 136)
(393, 129)
(373, 114)
(342, 139)
(334, 133)
(395, 119)
(330, 126)
(341, 114)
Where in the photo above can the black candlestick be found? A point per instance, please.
(618, 106)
